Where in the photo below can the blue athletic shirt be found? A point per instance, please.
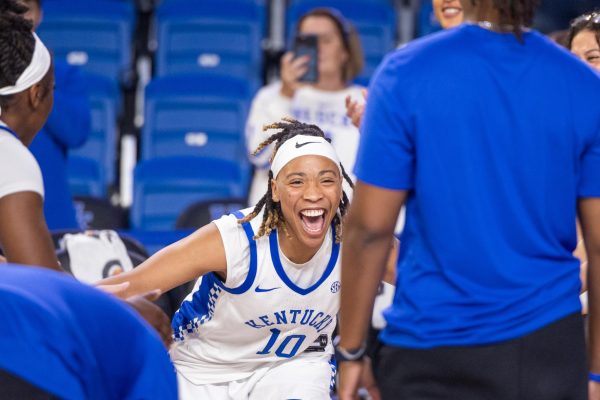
(75, 342)
(494, 140)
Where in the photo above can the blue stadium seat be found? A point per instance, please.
(164, 187)
(101, 145)
(374, 20)
(95, 34)
(201, 115)
(154, 241)
(427, 23)
(85, 177)
(223, 36)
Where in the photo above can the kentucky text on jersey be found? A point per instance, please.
(317, 319)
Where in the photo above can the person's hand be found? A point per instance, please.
(153, 314)
(356, 108)
(2, 260)
(593, 390)
(292, 70)
(367, 380)
(349, 379)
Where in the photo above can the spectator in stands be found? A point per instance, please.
(67, 127)
(584, 38)
(321, 103)
(494, 147)
(63, 339)
(449, 13)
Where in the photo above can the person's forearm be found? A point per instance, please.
(594, 311)
(364, 258)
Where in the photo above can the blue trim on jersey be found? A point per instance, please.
(253, 261)
(274, 247)
(333, 365)
(199, 310)
(7, 129)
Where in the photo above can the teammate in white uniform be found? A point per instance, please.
(259, 324)
(321, 103)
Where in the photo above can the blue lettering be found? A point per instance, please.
(294, 315)
(265, 319)
(306, 317)
(281, 318)
(253, 324)
(319, 315)
(326, 325)
(320, 324)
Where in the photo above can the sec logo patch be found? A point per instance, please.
(335, 287)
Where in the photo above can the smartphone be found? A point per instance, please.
(308, 45)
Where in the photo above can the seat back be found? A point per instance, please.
(164, 187)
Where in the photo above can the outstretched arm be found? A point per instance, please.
(195, 255)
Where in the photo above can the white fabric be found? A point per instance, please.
(35, 71)
(96, 255)
(325, 109)
(225, 346)
(303, 145)
(306, 378)
(20, 171)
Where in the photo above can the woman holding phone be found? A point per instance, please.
(311, 89)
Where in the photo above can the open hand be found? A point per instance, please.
(355, 109)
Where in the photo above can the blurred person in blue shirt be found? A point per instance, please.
(68, 127)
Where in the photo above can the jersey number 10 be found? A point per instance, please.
(281, 349)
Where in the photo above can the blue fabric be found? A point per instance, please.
(68, 127)
(199, 310)
(77, 342)
(494, 140)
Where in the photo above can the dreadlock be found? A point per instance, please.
(16, 42)
(516, 13)
(288, 128)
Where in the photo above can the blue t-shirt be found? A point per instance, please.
(494, 140)
(68, 127)
(76, 342)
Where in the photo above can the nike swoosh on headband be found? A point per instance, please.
(298, 145)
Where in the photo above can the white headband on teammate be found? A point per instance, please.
(303, 145)
(35, 71)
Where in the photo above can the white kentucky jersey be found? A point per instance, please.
(268, 310)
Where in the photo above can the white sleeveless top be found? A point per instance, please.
(268, 310)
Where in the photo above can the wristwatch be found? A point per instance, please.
(342, 354)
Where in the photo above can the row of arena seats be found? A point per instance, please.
(98, 214)
(208, 64)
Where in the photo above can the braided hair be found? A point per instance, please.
(16, 42)
(289, 128)
(516, 13)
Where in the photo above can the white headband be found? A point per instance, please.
(35, 71)
(303, 145)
